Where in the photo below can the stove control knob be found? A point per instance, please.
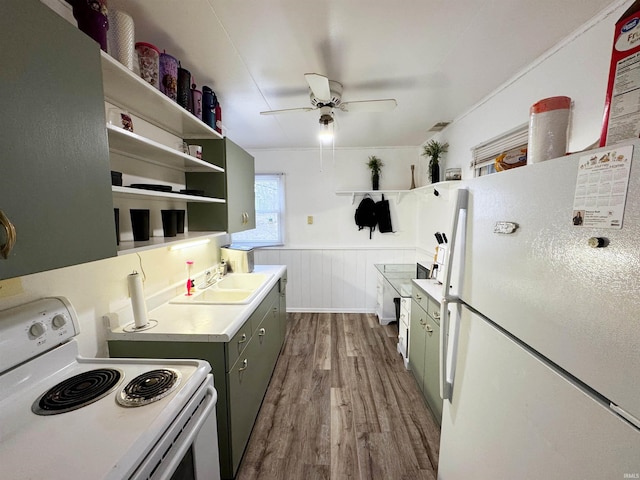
(59, 321)
(37, 329)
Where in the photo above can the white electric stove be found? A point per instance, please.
(65, 417)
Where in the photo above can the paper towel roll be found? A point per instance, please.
(138, 303)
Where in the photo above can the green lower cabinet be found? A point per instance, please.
(242, 369)
(417, 343)
(424, 351)
(249, 378)
(432, 368)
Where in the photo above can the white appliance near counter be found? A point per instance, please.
(64, 417)
(539, 373)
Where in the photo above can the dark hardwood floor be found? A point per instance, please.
(341, 405)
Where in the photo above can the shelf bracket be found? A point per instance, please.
(353, 198)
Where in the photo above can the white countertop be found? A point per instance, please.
(200, 323)
(431, 287)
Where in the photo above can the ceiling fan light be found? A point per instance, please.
(326, 133)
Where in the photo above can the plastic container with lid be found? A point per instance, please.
(149, 61)
(169, 76)
(548, 128)
(121, 37)
(196, 96)
(184, 88)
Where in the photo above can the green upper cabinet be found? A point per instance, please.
(54, 174)
(236, 185)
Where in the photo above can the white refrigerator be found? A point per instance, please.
(540, 355)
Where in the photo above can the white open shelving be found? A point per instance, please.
(132, 145)
(131, 246)
(131, 93)
(427, 189)
(129, 192)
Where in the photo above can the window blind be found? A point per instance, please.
(485, 153)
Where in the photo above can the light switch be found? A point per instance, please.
(310, 220)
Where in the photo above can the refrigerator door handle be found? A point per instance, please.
(449, 340)
(626, 415)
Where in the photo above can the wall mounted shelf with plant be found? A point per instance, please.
(375, 165)
(434, 150)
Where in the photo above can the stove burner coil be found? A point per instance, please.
(149, 387)
(77, 391)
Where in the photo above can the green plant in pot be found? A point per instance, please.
(434, 150)
(375, 165)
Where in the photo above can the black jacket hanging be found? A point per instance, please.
(383, 216)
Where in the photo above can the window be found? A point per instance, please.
(513, 143)
(269, 229)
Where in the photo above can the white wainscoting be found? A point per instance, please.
(332, 279)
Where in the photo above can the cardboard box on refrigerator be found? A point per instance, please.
(622, 104)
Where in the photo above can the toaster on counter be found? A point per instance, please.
(238, 259)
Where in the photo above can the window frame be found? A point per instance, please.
(279, 213)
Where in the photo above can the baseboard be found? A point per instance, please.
(330, 310)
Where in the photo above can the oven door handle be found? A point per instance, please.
(186, 442)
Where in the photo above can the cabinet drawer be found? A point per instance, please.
(422, 299)
(238, 343)
(433, 310)
(405, 310)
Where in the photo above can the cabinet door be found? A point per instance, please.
(283, 307)
(432, 368)
(270, 339)
(54, 177)
(417, 343)
(241, 200)
(247, 387)
(236, 185)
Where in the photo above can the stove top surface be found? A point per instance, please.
(102, 439)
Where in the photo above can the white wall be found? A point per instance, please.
(330, 262)
(310, 191)
(578, 67)
(98, 288)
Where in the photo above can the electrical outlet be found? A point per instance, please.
(11, 287)
(310, 220)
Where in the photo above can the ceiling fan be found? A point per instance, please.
(326, 95)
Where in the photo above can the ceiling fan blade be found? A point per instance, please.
(369, 106)
(319, 85)
(288, 110)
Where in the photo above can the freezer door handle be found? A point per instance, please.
(449, 339)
